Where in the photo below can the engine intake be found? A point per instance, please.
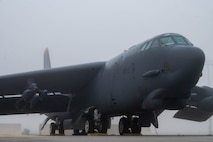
(31, 97)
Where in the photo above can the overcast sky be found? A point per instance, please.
(96, 30)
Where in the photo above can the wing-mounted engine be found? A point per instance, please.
(31, 97)
(200, 105)
(34, 100)
(204, 97)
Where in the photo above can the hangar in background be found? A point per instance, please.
(10, 129)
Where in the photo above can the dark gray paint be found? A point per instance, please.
(131, 83)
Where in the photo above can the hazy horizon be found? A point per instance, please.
(88, 31)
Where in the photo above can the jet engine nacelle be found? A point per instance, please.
(38, 97)
(206, 104)
(27, 95)
(42, 94)
(31, 97)
(203, 96)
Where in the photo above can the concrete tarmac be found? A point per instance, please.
(106, 138)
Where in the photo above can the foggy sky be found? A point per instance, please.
(84, 31)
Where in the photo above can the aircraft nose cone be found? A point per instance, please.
(189, 59)
(186, 65)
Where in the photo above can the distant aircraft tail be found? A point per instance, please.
(47, 64)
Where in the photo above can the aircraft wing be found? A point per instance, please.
(200, 105)
(66, 80)
(51, 103)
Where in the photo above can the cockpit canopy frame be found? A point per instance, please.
(165, 40)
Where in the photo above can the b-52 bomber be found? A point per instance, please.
(139, 84)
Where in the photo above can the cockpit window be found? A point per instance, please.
(149, 44)
(154, 44)
(180, 40)
(166, 41)
(188, 42)
(146, 45)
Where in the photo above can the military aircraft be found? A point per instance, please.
(139, 84)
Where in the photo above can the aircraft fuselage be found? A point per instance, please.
(145, 79)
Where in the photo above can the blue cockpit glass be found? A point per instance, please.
(171, 40)
(166, 41)
(180, 40)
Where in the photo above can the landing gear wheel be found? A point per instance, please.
(52, 129)
(135, 128)
(61, 129)
(103, 126)
(123, 126)
(88, 126)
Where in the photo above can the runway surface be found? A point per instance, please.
(106, 138)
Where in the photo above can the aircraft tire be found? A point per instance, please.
(52, 129)
(61, 129)
(123, 126)
(135, 128)
(103, 126)
(88, 126)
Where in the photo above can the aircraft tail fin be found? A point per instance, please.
(47, 64)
